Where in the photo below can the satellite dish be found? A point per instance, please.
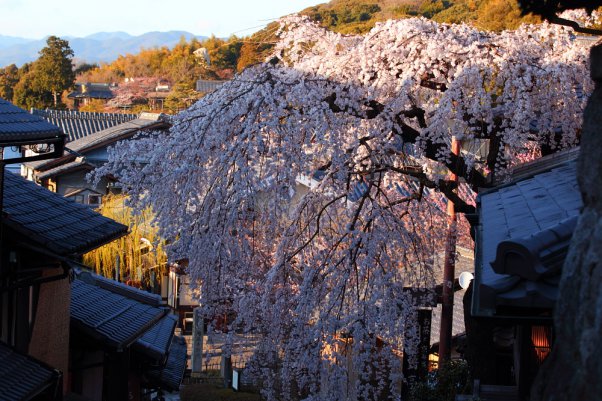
(464, 279)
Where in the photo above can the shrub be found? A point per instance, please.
(443, 384)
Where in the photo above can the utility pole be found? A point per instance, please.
(447, 303)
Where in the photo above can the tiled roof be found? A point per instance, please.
(23, 377)
(120, 316)
(93, 91)
(108, 136)
(115, 133)
(464, 263)
(18, 125)
(156, 341)
(206, 86)
(59, 224)
(74, 192)
(110, 314)
(171, 375)
(78, 124)
(528, 213)
(64, 168)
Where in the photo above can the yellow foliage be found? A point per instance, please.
(139, 252)
(94, 105)
(498, 15)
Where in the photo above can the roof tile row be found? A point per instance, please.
(59, 224)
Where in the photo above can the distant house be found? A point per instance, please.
(522, 239)
(208, 86)
(180, 296)
(163, 85)
(66, 174)
(156, 98)
(84, 93)
(202, 56)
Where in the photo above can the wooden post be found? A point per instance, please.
(417, 374)
(116, 376)
(447, 303)
(198, 333)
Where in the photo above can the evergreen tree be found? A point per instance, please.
(54, 68)
(9, 76)
(27, 95)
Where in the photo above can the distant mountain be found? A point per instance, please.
(109, 35)
(98, 47)
(7, 41)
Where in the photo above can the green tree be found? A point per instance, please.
(180, 98)
(84, 68)
(26, 93)
(9, 76)
(54, 68)
(226, 55)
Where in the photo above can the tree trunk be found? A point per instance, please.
(574, 369)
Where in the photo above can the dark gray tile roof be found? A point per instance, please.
(127, 291)
(170, 377)
(61, 225)
(522, 211)
(206, 86)
(23, 377)
(74, 192)
(156, 341)
(146, 121)
(537, 256)
(116, 314)
(92, 91)
(64, 168)
(78, 124)
(17, 125)
(115, 133)
(465, 262)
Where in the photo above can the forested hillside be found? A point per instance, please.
(358, 16)
(181, 67)
(345, 16)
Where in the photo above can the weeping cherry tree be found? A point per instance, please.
(309, 192)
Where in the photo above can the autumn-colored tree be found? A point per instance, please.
(497, 15)
(9, 76)
(94, 105)
(105, 72)
(256, 48)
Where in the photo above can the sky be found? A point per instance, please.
(36, 19)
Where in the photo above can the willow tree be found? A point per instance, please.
(309, 190)
(139, 255)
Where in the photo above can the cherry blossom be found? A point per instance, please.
(309, 192)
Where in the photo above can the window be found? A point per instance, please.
(94, 200)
